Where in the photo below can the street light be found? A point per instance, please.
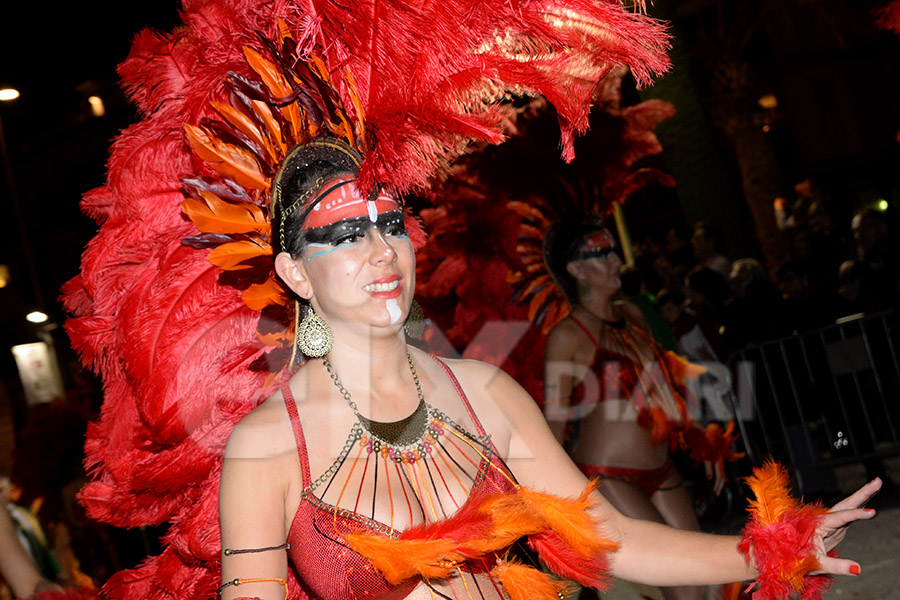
(7, 94)
(97, 107)
(37, 316)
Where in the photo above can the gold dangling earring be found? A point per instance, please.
(415, 321)
(314, 336)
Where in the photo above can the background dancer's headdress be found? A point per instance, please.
(176, 306)
(550, 225)
(889, 16)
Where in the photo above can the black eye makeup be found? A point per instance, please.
(348, 231)
(596, 253)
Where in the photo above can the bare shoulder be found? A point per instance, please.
(491, 389)
(265, 432)
(477, 375)
(563, 340)
(633, 312)
(565, 329)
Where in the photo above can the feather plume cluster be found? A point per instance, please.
(780, 535)
(712, 444)
(561, 531)
(458, 59)
(889, 16)
(182, 355)
(613, 180)
(482, 262)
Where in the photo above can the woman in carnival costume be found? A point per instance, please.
(627, 393)
(291, 131)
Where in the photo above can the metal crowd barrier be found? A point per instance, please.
(822, 398)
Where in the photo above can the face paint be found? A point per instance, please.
(342, 200)
(599, 244)
(349, 231)
(394, 310)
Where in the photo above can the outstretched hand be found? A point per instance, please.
(715, 470)
(834, 527)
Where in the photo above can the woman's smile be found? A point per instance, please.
(385, 288)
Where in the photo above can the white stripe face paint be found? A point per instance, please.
(394, 310)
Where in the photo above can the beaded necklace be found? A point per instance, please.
(406, 440)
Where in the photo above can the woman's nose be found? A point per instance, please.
(382, 251)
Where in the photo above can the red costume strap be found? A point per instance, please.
(585, 330)
(291, 405)
(462, 395)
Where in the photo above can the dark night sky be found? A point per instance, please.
(57, 54)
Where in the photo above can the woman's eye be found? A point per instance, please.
(395, 229)
(348, 238)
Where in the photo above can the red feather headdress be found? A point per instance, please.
(889, 16)
(177, 332)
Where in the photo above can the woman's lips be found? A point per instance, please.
(384, 287)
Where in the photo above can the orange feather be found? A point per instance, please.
(219, 216)
(279, 87)
(261, 110)
(570, 520)
(771, 488)
(227, 159)
(268, 72)
(260, 295)
(526, 583)
(245, 125)
(353, 92)
(538, 282)
(557, 313)
(399, 560)
(231, 256)
(510, 519)
(538, 300)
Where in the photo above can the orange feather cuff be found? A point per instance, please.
(780, 537)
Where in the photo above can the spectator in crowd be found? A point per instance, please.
(699, 344)
(876, 263)
(17, 569)
(825, 248)
(26, 563)
(633, 292)
(708, 295)
(695, 339)
(803, 309)
(793, 217)
(707, 242)
(849, 290)
(679, 253)
(756, 313)
(651, 264)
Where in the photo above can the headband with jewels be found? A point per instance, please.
(282, 136)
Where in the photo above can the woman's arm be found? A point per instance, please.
(649, 552)
(252, 494)
(559, 377)
(16, 566)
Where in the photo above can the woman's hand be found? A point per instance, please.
(834, 527)
(715, 470)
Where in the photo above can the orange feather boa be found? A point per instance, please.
(560, 530)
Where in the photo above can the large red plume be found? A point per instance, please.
(181, 355)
